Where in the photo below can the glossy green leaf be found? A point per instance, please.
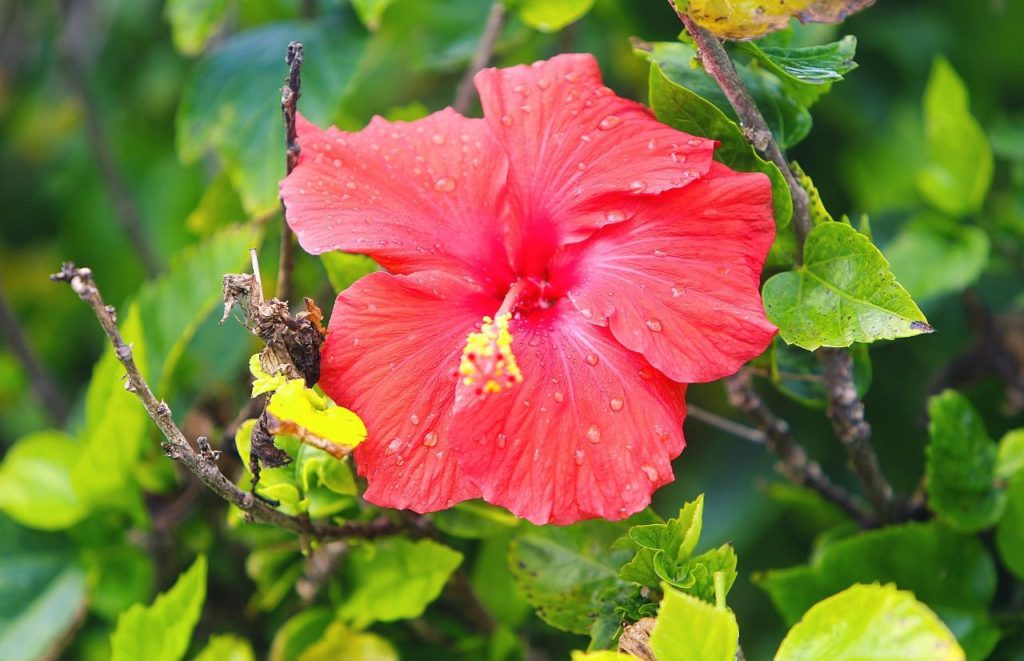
(494, 584)
(1010, 533)
(231, 103)
(808, 72)
(788, 118)
(843, 293)
(960, 163)
(961, 465)
(35, 482)
(562, 570)
(162, 631)
(371, 12)
(689, 629)
(475, 519)
(870, 622)
(299, 632)
(749, 19)
(275, 570)
(933, 255)
(345, 268)
(226, 647)
(553, 15)
(394, 579)
(194, 22)
(119, 575)
(665, 548)
(952, 573)
(218, 208)
(681, 108)
(800, 375)
(44, 591)
(340, 641)
(1010, 456)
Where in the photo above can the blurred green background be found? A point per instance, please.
(163, 117)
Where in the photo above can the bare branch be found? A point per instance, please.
(793, 463)
(481, 58)
(846, 412)
(290, 94)
(43, 385)
(725, 424)
(202, 462)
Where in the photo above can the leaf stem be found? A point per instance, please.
(290, 94)
(481, 58)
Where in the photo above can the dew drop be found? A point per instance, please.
(437, 139)
(520, 89)
(609, 122)
(678, 291)
(693, 142)
(615, 404)
(526, 108)
(581, 166)
(430, 440)
(336, 162)
(536, 455)
(559, 397)
(591, 359)
(351, 185)
(578, 456)
(659, 253)
(414, 419)
(654, 325)
(587, 313)
(637, 186)
(506, 120)
(393, 446)
(501, 439)
(650, 144)
(614, 216)
(355, 341)
(594, 434)
(444, 184)
(543, 83)
(570, 77)
(650, 472)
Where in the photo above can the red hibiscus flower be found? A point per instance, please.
(596, 260)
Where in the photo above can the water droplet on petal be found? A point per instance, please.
(355, 341)
(414, 419)
(501, 440)
(430, 440)
(615, 404)
(637, 186)
(526, 108)
(591, 359)
(654, 325)
(543, 83)
(536, 455)
(570, 77)
(678, 291)
(438, 139)
(614, 216)
(393, 446)
(650, 472)
(578, 456)
(506, 120)
(594, 434)
(659, 253)
(609, 122)
(444, 184)
(559, 397)
(650, 144)
(587, 313)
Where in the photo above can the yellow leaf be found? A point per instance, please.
(749, 19)
(298, 411)
(263, 382)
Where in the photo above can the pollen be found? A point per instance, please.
(488, 363)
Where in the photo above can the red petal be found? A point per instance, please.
(392, 347)
(415, 196)
(590, 431)
(679, 282)
(570, 139)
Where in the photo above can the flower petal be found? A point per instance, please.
(570, 140)
(590, 431)
(679, 281)
(415, 196)
(392, 347)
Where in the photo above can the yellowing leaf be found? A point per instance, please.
(298, 411)
(749, 19)
(263, 382)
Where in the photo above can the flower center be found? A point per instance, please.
(488, 363)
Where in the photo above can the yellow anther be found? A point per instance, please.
(488, 363)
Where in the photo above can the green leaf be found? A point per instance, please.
(960, 163)
(493, 583)
(843, 293)
(807, 73)
(665, 547)
(788, 119)
(298, 633)
(230, 104)
(562, 570)
(933, 255)
(475, 519)
(226, 647)
(119, 575)
(1010, 533)
(552, 15)
(953, 574)
(1010, 456)
(870, 622)
(395, 579)
(35, 482)
(961, 465)
(275, 570)
(218, 208)
(44, 593)
(689, 629)
(749, 19)
(370, 12)
(162, 631)
(701, 570)
(345, 268)
(343, 642)
(679, 107)
(194, 22)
